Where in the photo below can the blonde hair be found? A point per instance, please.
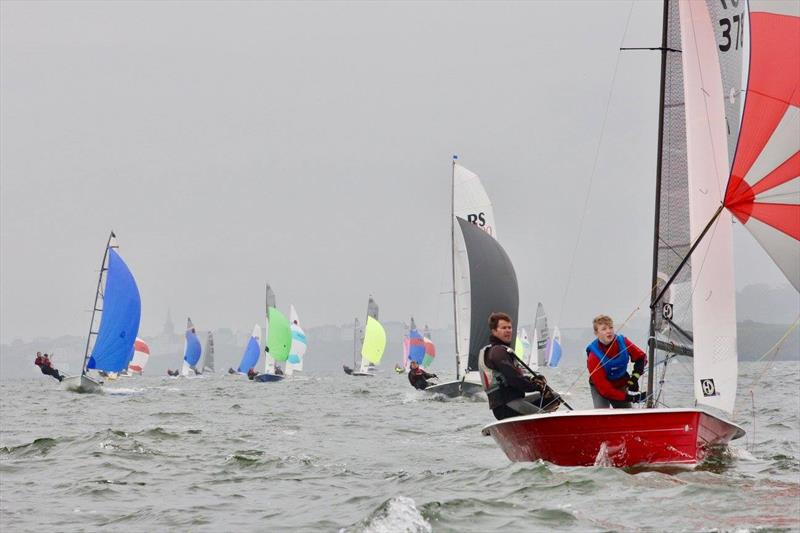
(602, 320)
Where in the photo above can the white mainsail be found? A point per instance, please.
(541, 338)
(713, 301)
(471, 203)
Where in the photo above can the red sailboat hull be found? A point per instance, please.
(614, 437)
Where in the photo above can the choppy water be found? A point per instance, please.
(340, 453)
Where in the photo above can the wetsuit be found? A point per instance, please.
(419, 378)
(608, 376)
(507, 386)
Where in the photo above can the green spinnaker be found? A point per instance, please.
(279, 339)
(374, 341)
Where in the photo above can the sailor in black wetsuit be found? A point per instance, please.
(418, 377)
(510, 391)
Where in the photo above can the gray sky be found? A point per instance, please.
(308, 145)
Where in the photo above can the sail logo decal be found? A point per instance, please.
(667, 312)
(479, 220)
(708, 387)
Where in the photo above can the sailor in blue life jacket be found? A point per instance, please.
(510, 391)
(607, 359)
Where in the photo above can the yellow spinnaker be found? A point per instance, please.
(519, 349)
(374, 341)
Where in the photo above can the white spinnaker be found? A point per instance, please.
(713, 301)
(471, 203)
(298, 346)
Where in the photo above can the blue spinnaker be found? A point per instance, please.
(192, 353)
(555, 354)
(119, 324)
(250, 357)
(416, 349)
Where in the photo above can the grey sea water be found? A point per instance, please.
(337, 453)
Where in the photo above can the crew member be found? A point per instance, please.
(418, 377)
(510, 391)
(46, 366)
(607, 359)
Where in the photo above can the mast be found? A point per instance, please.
(453, 258)
(269, 362)
(651, 341)
(96, 297)
(355, 335)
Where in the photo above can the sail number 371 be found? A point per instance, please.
(731, 26)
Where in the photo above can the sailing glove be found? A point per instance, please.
(633, 382)
(636, 397)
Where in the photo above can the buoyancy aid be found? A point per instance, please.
(491, 379)
(615, 367)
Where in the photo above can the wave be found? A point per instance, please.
(399, 514)
(39, 447)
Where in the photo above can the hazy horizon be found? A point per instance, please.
(309, 145)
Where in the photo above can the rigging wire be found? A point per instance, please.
(594, 169)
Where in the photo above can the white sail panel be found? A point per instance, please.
(297, 350)
(470, 200)
(713, 302)
(533, 361)
(463, 316)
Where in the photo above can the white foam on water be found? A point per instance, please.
(399, 514)
(119, 391)
(741, 454)
(602, 458)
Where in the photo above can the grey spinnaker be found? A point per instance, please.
(493, 286)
